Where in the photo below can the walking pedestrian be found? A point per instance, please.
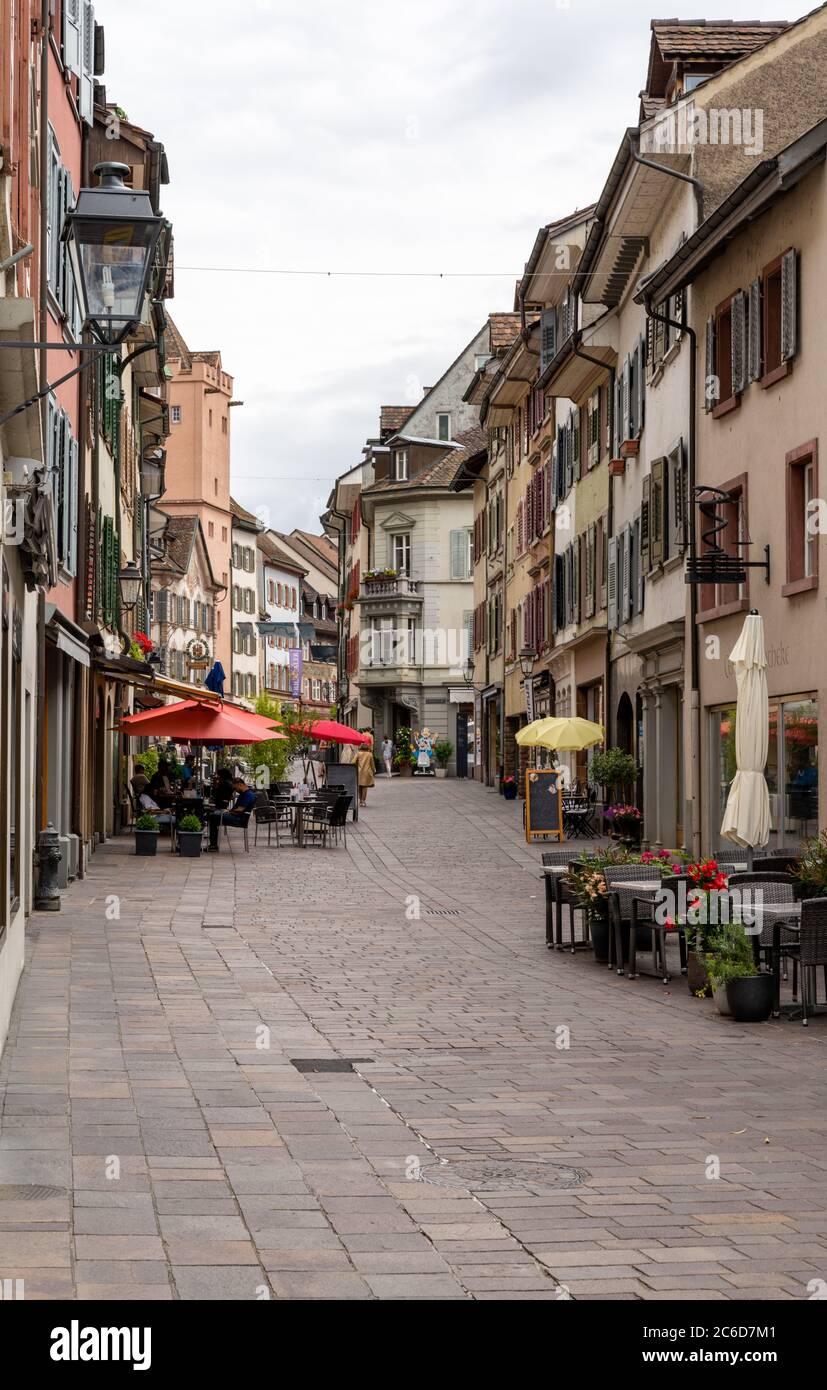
(387, 755)
(364, 772)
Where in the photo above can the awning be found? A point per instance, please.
(66, 635)
(124, 668)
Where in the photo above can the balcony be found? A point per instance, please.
(391, 586)
(386, 594)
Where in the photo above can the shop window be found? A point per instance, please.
(791, 771)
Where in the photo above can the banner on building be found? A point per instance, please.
(295, 655)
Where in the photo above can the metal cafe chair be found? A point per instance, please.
(265, 813)
(558, 893)
(776, 889)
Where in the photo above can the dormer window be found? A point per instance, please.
(400, 466)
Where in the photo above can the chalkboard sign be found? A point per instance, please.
(344, 775)
(543, 804)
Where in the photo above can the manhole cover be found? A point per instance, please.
(29, 1192)
(327, 1063)
(503, 1175)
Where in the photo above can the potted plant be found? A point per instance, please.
(443, 752)
(749, 994)
(615, 771)
(811, 872)
(190, 832)
(702, 919)
(508, 787)
(146, 834)
(730, 958)
(625, 823)
(402, 759)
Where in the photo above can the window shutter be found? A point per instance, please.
(575, 583)
(650, 345)
(72, 21)
(590, 574)
(612, 582)
(644, 525)
(459, 546)
(632, 427)
(628, 581)
(548, 337)
(641, 385)
(710, 383)
(656, 513)
(639, 580)
(575, 444)
(789, 305)
(162, 605)
(86, 80)
(626, 425)
(739, 346)
(754, 354)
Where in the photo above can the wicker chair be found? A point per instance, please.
(620, 902)
(813, 950)
(646, 910)
(557, 892)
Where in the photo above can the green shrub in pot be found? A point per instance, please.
(146, 822)
(190, 824)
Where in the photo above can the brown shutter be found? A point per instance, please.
(711, 385)
(645, 563)
(789, 305)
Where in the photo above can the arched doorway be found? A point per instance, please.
(625, 724)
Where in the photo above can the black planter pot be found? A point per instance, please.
(189, 844)
(510, 793)
(599, 931)
(750, 998)
(146, 842)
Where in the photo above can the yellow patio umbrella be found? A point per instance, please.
(566, 735)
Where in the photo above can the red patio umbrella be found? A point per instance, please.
(330, 731)
(195, 721)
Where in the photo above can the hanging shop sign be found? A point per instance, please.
(197, 653)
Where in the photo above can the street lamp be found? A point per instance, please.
(153, 460)
(130, 584)
(468, 673)
(112, 233)
(527, 659)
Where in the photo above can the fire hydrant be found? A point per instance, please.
(49, 856)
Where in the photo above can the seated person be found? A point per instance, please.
(238, 814)
(188, 773)
(160, 784)
(222, 787)
(139, 780)
(146, 804)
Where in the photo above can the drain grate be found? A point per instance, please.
(327, 1063)
(504, 1175)
(29, 1192)
(442, 912)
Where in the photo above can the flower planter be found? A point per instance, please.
(697, 975)
(750, 998)
(189, 843)
(617, 467)
(629, 448)
(721, 1002)
(146, 842)
(440, 772)
(599, 933)
(509, 791)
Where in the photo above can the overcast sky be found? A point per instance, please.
(383, 135)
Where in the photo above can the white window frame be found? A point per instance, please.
(440, 416)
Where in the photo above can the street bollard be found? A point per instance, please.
(49, 856)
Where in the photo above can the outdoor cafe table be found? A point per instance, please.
(299, 810)
(779, 915)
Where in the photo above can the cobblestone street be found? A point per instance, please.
(187, 1159)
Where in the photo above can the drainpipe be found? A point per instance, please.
(43, 323)
(587, 357)
(694, 637)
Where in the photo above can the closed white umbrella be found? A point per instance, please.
(747, 816)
